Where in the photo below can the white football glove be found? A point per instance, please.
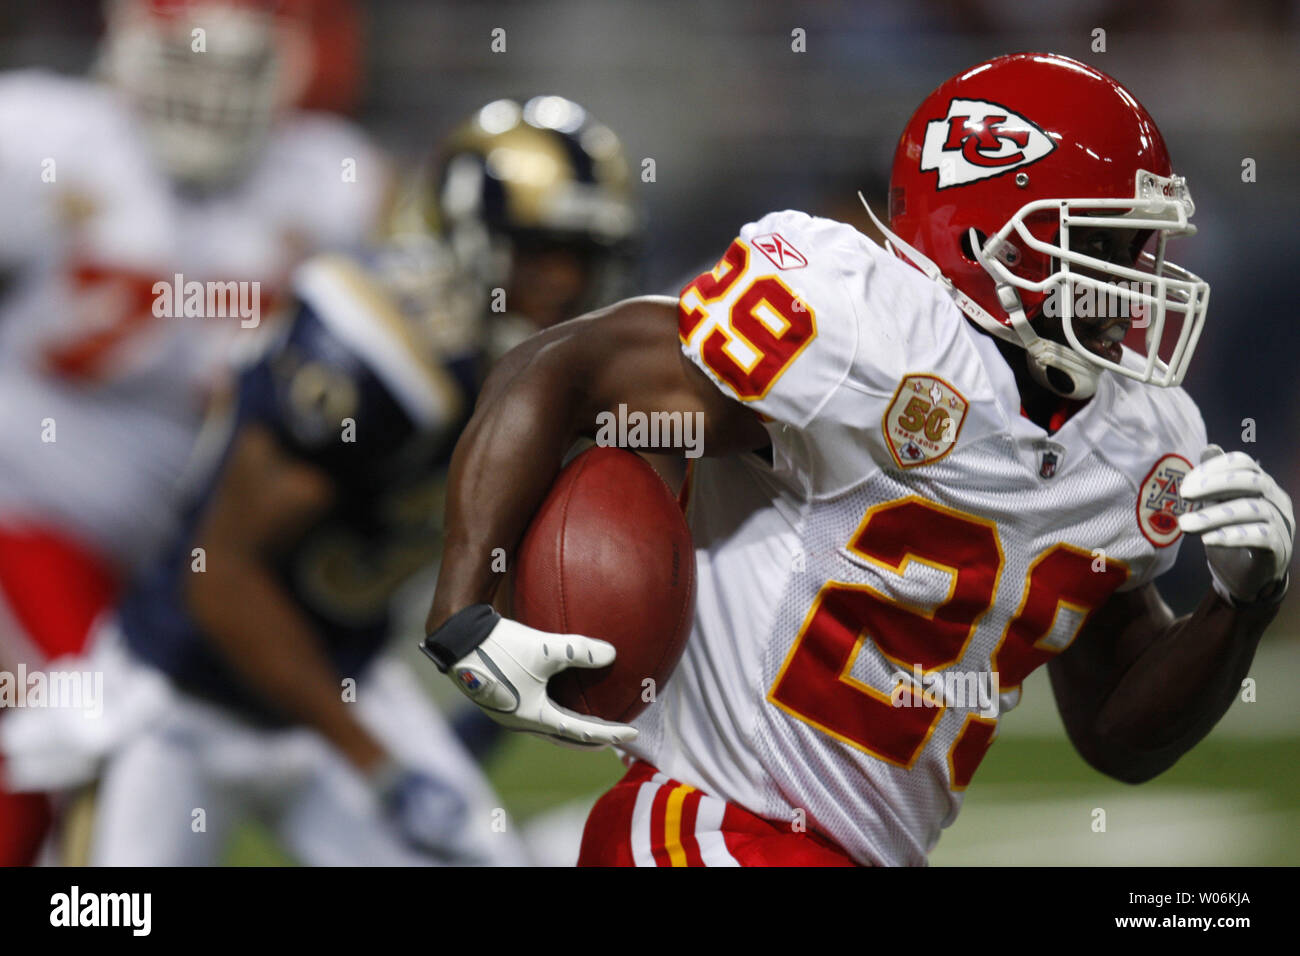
(1246, 523)
(506, 675)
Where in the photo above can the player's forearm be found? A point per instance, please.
(502, 468)
(272, 646)
(1179, 687)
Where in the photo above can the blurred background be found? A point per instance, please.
(738, 123)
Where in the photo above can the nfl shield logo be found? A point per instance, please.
(1047, 467)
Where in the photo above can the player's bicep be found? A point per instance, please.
(637, 366)
(600, 369)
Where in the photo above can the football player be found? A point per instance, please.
(927, 473)
(187, 163)
(269, 610)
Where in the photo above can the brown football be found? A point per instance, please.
(609, 555)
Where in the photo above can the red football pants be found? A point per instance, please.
(51, 591)
(651, 820)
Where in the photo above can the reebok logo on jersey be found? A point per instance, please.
(1160, 502)
(924, 419)
(978, 140)
(779, 252)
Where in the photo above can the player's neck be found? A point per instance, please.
(1046, 409)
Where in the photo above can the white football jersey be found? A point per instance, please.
(100, 397)
(913, 537)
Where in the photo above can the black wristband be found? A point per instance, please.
(459, 634)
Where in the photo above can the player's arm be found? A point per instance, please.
(1139, 688)
(264, 500)
(540, 398)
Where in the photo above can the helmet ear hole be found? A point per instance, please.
(1060, 381)
(966, 249)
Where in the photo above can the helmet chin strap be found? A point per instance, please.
(1080, 376)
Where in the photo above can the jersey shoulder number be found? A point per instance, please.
(772, 323)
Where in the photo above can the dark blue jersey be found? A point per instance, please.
(345, 392)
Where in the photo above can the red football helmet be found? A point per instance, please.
(992, 173)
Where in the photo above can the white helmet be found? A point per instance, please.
(208, 77)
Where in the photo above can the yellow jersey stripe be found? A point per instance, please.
(673, 824)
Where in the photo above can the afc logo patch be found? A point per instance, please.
(1160, 502)
(778, 251)
(978, 140)
(923, 420)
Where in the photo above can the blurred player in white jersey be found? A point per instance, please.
(927, 472)
(187, 166)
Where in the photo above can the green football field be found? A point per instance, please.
(1228, 802)
(1235, 799)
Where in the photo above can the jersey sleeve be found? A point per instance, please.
(312, 394)
(772, 324)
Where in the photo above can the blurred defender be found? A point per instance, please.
(533, 199)
(186, 163)
(319, 508)
(326, 501)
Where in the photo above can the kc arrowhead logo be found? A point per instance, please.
(978, 140)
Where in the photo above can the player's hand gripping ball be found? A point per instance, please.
(609, 554)
(605, 596)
